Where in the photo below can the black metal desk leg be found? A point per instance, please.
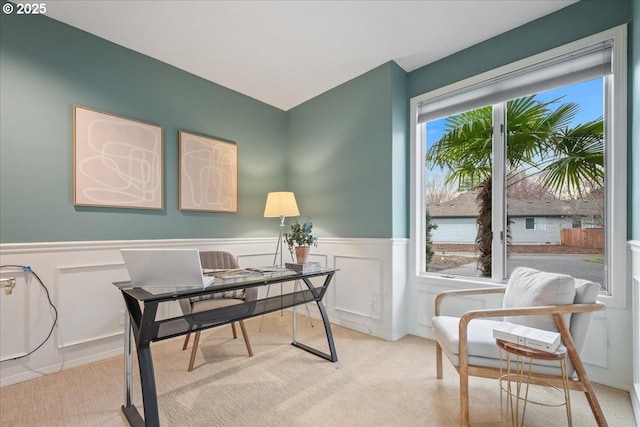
(148, 382)
(128, 361)
(135, 319)
(333, 356)
(129, 410)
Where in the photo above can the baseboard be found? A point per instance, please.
(30, 375)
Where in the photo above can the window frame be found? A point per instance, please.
(615, 160)
(538, 222)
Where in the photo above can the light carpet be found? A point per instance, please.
(374, 383)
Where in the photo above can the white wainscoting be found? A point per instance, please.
(366, 295)
(635, 321)
(369, 294)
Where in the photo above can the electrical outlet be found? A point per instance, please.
(8, 284)
(121, 317)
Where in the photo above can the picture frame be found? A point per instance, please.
(118, 162)
(208, 173)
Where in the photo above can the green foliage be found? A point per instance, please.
(539, 141)
(300, 234)
(429, 252)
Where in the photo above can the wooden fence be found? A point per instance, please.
(583, 237)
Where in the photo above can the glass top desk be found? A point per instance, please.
(142, 306)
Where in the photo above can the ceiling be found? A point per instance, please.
(286, 52)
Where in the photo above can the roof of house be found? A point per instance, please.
(465, 206)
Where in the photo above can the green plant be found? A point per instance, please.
(300, 234)
(429, 252)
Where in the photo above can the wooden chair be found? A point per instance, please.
(217, 260)
(533, 298)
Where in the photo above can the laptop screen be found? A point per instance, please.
(165, 268)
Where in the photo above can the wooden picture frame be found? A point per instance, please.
(117, 161)
(208, 174)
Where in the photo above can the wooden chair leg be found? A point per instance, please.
(246, 337)
(590, 394)
(464, 399)
(186, 341)
(196, 340)
(438, 361)
(567, 340)
(233, 328)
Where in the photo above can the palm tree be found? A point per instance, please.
(539, 142)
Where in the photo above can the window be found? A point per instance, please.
(531, 146)
(535, 223)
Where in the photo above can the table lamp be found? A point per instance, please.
(280, 204)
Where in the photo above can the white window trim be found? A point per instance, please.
(539, 223)
(616, 184)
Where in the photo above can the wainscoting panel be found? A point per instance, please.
(361, 294)
(424, 300)
(90, 307)
(594, 353)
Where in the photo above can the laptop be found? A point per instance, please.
(166, 268)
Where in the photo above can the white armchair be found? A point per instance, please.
(533, 298)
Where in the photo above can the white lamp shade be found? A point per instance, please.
(281, 203)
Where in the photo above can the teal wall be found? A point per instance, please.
(579, 20)
(46, 67)
(343, 156)
(399, 152)
(343, 152)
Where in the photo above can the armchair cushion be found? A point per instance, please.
(530, 288)
(586, 293)
(481, 345)
(480, 340)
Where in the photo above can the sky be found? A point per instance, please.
(589, 95)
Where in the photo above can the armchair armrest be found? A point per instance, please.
(555, 310)
(538, 310)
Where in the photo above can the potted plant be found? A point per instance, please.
(301, 239)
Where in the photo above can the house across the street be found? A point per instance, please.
(532, 221)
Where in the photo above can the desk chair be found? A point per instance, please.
(217, 260)
(532, 298)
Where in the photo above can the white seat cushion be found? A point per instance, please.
(482, 348)
(213, 303)
(480, 339)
